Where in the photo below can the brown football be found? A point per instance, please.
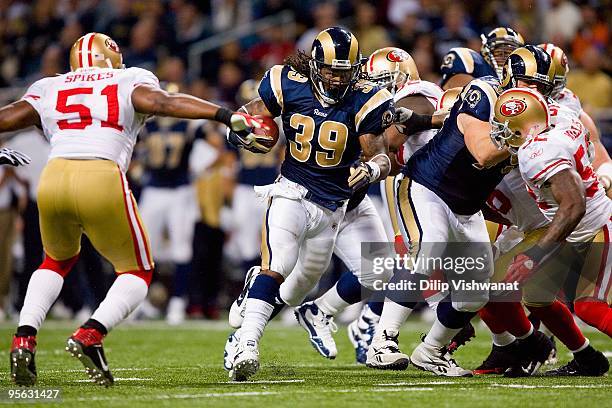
(272, 132)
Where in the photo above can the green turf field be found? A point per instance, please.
(156, 365)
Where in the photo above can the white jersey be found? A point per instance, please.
(512, 201)
(565, 146)
(430, 91)
(89, 114)
(569, 100)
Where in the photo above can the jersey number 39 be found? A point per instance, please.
(332, 138)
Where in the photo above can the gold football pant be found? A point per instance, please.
(91, 197)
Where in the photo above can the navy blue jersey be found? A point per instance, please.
(323, 140)
(464, 61)
(167, 143)
(445, 165)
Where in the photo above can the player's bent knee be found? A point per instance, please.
(473, 306)
(145, 275)
(62, 268)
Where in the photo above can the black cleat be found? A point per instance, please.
(86, 346)
(499, 359)
(466, 334)
(587, 363)
(23, 367)
(534, 351)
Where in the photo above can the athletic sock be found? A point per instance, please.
(181, 279)
(94, 324)
(259, 307)
(376, 307)
(502, 339)
(344, 293)
(125, 295)
(559, 320)
(595, 313)
(449, 321)
(43, 289)
(511, 315)
(392, 317)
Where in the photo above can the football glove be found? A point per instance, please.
(412, 121)
(249, 141)
(362, 174)
(244, 122)
(525, 264)
(13, 157)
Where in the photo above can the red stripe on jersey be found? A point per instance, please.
(550, 167)
(31, 96)
(127, 214)
(89, 51)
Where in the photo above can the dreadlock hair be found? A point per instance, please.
(300, 62)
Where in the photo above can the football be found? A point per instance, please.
(272, 130)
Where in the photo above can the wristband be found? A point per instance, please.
(224, 116)
(537, 253)
(417, 123)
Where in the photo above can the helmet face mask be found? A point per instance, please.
(336, 63)
(498, 44)
(520, 113)
(561, 66)
(530, 65)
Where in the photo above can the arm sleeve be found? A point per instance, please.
(270, 90)
(539, 161)
(376, 114)
(34, 95)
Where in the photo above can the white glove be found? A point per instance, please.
(363, 174)
(13, 157)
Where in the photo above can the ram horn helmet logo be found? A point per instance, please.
(513, 107)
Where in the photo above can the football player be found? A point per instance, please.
(168, 202)
(91, 115)
(447, 183)
(330, 122)
(602, 164)
(555, 161)
(461, 65)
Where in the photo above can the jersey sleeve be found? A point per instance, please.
(139, 76)
(478, 100)
(34, 94)
(540, 160)
(375, 113)
(271, 90)
(457, 61)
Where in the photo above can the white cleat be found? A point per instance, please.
(246, 362)
(236, 314)
(437, 360)
(231, 349)
(384, 352)
(319, 328)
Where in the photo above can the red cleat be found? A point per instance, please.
(86, 346)
(23, 367)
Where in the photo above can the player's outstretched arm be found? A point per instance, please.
(18, 115)
(458, 80)
(478, 141)
(155, 101)
(375, 165)
(602, 162)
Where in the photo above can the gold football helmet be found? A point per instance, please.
(519, 114)
(559, 60)
(497, 46)
(391, 68)
(95, 50)
(448, 99)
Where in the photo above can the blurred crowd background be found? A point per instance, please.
(217, 50)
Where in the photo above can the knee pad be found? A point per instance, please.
(62, 268)
(473, 306)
